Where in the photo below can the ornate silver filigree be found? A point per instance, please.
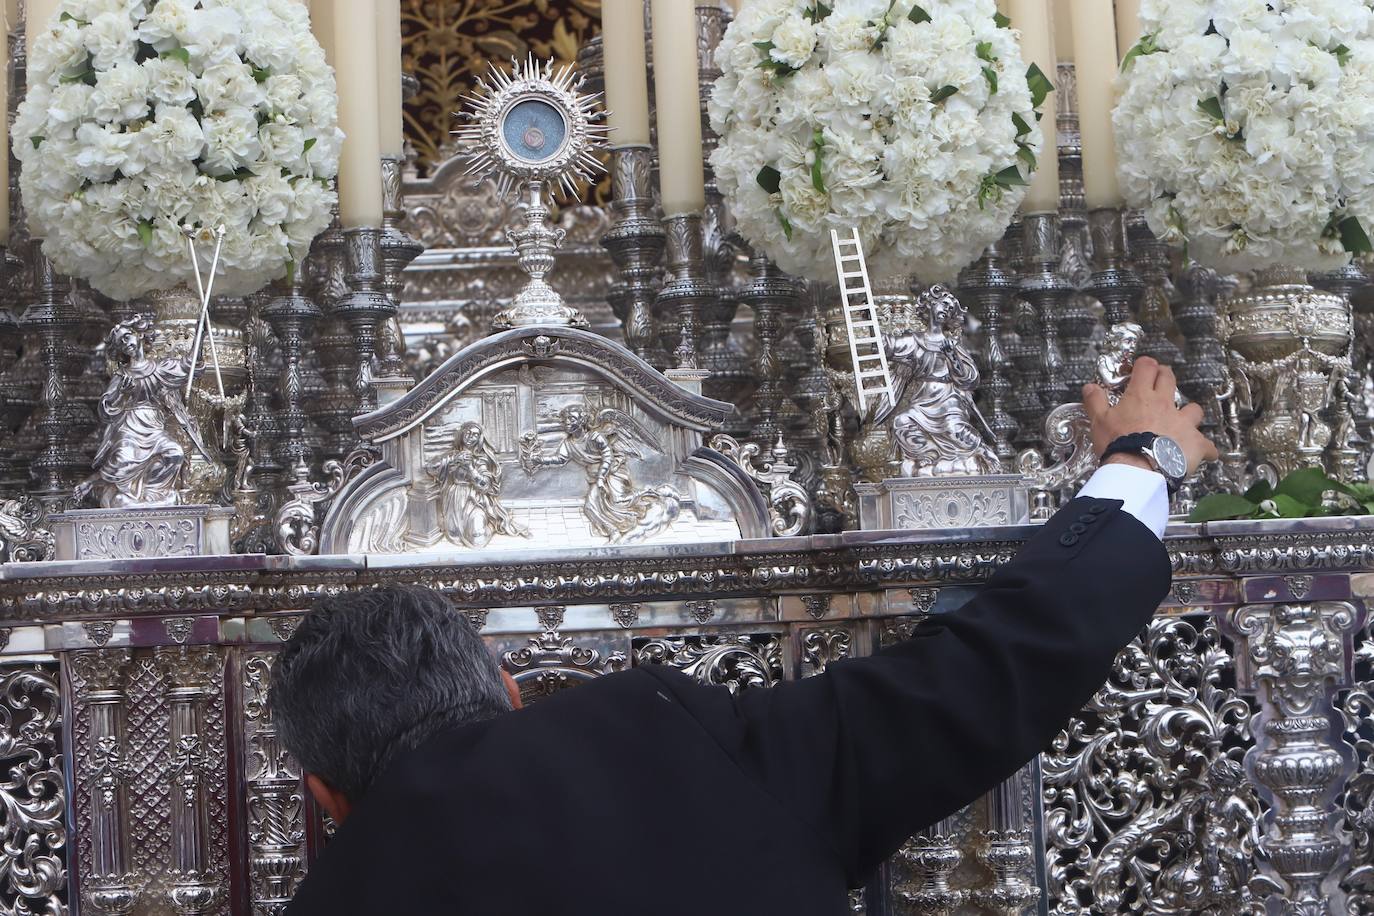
(23, 539)
(737, 661)
(33, 792)
(274, 800)
(1144, 812)
(789, 504)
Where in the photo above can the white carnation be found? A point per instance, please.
(867, 118)
(232, 123)
(1246, 133)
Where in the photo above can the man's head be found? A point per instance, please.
(370, 675)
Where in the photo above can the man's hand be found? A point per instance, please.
(1147, 406)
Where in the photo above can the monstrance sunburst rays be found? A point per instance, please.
(533, 123)
(536, 128)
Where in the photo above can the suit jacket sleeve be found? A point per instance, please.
(876, 748)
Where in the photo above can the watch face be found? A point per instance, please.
(1170, 457)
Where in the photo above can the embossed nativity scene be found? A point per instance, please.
(737, 336)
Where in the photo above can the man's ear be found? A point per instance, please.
(334, 802)
(513, 689)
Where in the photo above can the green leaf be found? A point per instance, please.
(918, 15)
(1027, 155)
(85, 76)
(1353, 237)
(290, 272)
(1212, 107)
(818, 145)
(1288, 507)
(786, 226)
(818, 12)
(990, 75)
(770, 179)
(180, 54)
(68, 17)
(1146, 45)
(1342, 54)
(1002, 22)
(1260, 492)
(984, 51)
(37, 141)
(1040, 85)
(145, 232)
(261, 74)
(309, 142)
(1022, 128)
(765, 47)
(1306, 485)
(1217, 506)
(944, 92)
(1009, 177)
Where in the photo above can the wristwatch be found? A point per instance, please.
(1164, 454)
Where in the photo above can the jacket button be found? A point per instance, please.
(1098, 509)
(1078, 527)
(1087, 519)
(1068, 540)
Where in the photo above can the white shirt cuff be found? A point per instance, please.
(1144, 493)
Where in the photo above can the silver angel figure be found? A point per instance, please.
(470, 478)
(933, 419)
(604, 447)
(146, 426)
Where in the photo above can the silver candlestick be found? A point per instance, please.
(537, 303)
(52, 320)
(635, 243)
(768, 294)
(292, 315)
(687, 292)
(363, 306)
(990, 287)
(1047, 291)
(1113, 281)
(1152, 259)
(398, 250)
(1008, 854)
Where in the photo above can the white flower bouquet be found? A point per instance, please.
(145, 116)
(1246, 129)
(913, 120)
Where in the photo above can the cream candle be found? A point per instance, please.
(1128, 30)
(37, 16)
(5, 141)
(322, 24)
(360, 164)
(1063, 31)
(682, 182)
(1094, 34)
(1033, 19)
(627, 75)
(390, 107)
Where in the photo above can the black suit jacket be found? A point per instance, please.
(646, 792)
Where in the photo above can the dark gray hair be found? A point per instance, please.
(370, 675)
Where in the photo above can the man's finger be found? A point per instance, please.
(1165, 383)
(1210, 452)
(1193, 413)
(1094, 401)
(1143, 376)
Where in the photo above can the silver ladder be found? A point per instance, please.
(871, 376)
